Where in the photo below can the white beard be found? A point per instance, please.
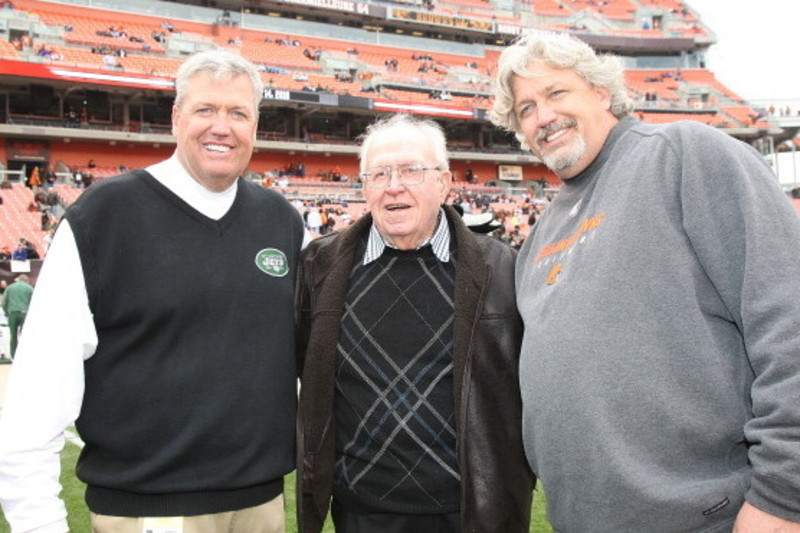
(565, 157)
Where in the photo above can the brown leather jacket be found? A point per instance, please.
(496, 482)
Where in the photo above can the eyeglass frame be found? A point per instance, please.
(368, 180)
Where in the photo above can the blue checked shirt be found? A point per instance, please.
(439, 241)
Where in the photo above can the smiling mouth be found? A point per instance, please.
(553, 136)
(396, 207)
(553, 132)
(217, 148)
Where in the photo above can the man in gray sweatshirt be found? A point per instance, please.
(660, 369)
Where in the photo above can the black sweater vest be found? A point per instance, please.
(190, 398)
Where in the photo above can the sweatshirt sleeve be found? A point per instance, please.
(746, 235)
(45, 391)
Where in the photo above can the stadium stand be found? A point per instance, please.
(85, 82)
(17, 220)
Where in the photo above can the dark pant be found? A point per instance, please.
(347, 521)
(15, 321)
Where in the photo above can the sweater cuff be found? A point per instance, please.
(774, 497)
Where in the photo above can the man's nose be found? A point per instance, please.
(221, 122)
(394, 184)
(545, 114)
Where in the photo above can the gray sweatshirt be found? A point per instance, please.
(660, 368)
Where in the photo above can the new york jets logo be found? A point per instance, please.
(272, 262)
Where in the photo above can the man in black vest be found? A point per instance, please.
(409, 335)
(162, 326)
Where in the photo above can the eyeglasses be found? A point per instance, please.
(407, 174)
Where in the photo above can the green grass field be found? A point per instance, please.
(79, 515)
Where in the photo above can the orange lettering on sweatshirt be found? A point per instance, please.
(564, 244)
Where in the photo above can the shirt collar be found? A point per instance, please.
(439, 241)
(174, 177)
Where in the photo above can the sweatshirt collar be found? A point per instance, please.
(619, 129)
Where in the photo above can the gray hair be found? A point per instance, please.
(220, 65)
(559, 50)
(385, 125)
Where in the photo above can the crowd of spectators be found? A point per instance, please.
(46, 202)
(782, 111)
(511, 216)
(298, 170)
(506, 217)
(284, 41)
(391, 64)
(23, 250)
(313, 55)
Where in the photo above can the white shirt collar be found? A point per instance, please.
(174, 177)
(439, 241)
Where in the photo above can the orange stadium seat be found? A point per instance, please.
(68, 193)
(710, 118)
(662, 83)
(7, 50)
(17, 221)
(611, 9)
(551, 8)
(85, 24)
(744, 115)
(691, 94)
(707, 78)
(675, 5)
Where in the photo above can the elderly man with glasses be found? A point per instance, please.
(408, 340)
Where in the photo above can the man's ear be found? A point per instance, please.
(175, 113)
(444, 183)
(604, 95)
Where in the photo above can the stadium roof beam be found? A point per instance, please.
(627, 44)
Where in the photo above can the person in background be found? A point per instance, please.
(20, 253)
(173, 351)
(408, 338)
(16, 300)
(660, 367)
(35, 179)
(30, 249)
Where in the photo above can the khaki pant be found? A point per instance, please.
(266, 518)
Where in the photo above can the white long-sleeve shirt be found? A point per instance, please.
(45, 389)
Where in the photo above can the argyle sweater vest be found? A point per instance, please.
(395, 416)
